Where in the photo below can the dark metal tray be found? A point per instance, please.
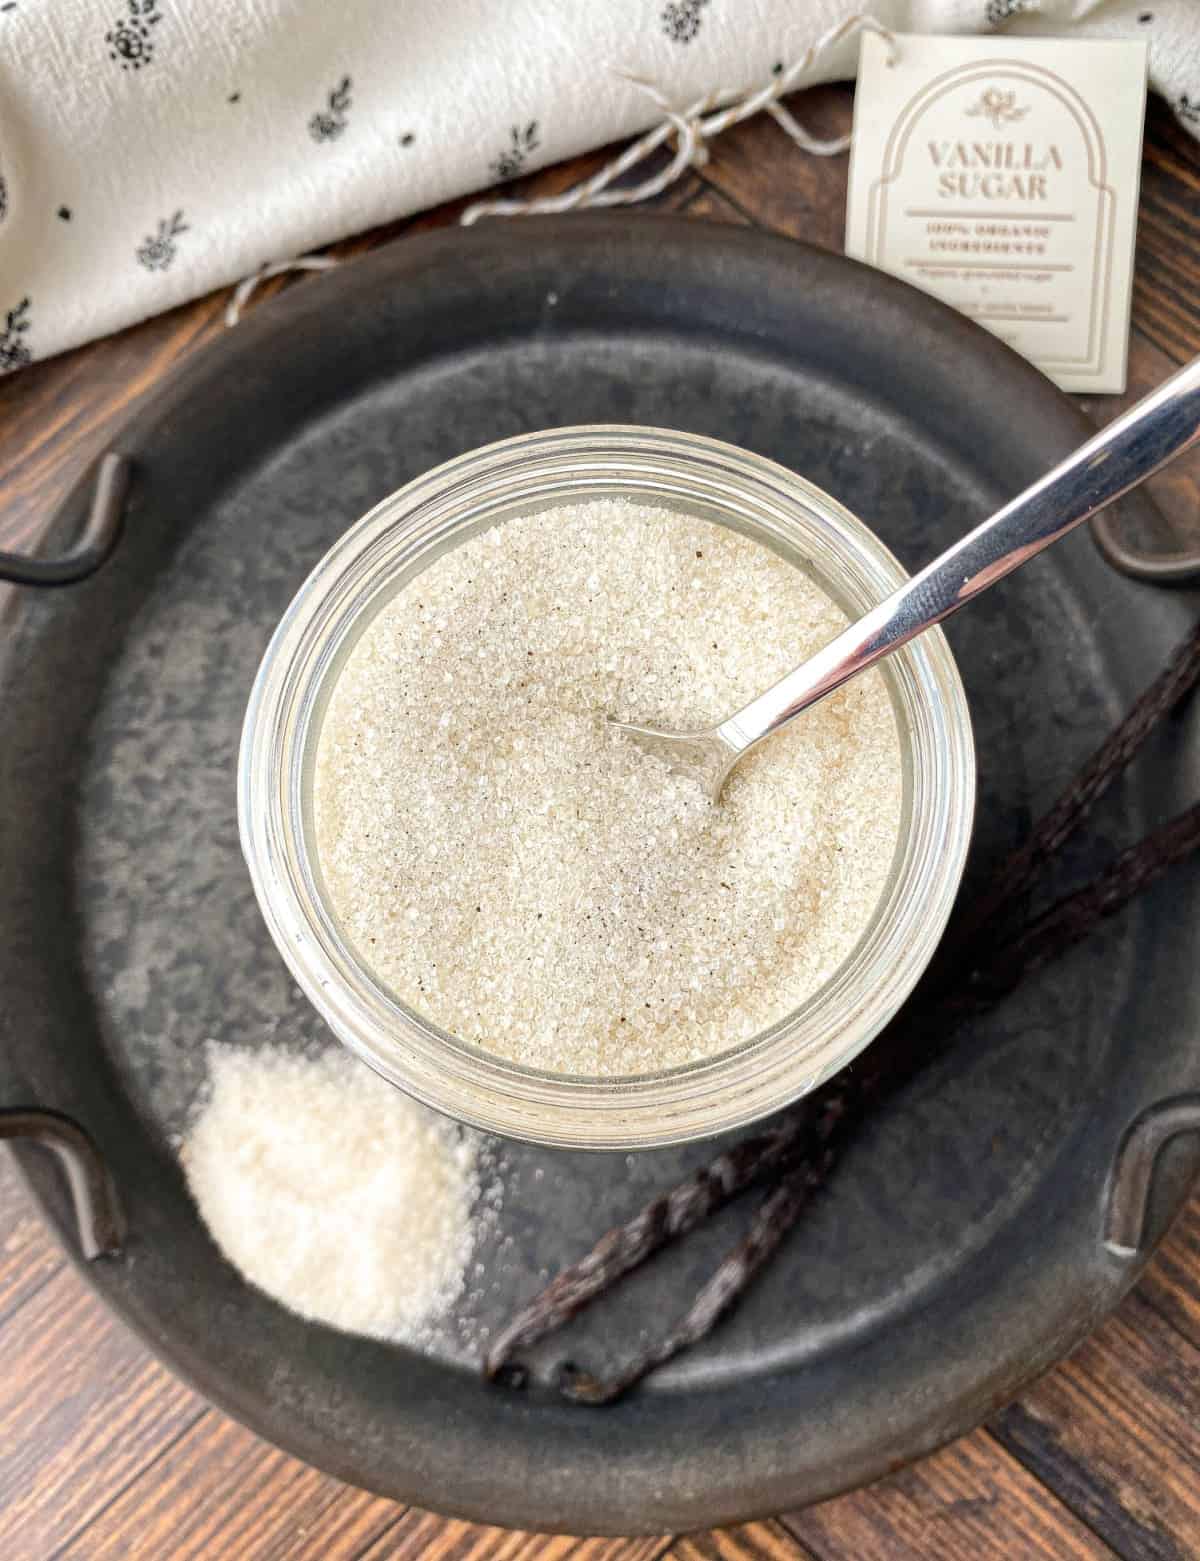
(961, 1247)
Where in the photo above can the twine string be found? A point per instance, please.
(691, 129)
(243, 292)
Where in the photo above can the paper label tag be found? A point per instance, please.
(1001, 174)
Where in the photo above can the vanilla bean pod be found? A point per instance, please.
(831, 1116)
(842, 1103)
(1056, 826)
(804, 1128)
(780, 1210)
(675, 1212)
(627, 1246)
(802, 1146)
(1070, 919)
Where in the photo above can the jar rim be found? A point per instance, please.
(403, 534)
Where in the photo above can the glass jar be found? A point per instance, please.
(378, 557)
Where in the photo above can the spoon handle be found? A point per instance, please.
(1153, 431)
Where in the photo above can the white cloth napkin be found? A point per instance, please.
(151, 150)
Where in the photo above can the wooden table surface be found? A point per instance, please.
(104, 1453)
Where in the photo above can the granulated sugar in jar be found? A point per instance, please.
(516, 871)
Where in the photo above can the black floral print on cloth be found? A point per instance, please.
(1187, 110)
(681, 19)
(157, 250)
(14, 351)
(522, 141)
(1000, 11)
(129, 39)
(328, 123)
(3, 198)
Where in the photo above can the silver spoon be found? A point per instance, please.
(1154, 431)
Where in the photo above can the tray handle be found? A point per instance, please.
(1133, 1171)
(93, 547)
(98, 1217)
(1155, 568)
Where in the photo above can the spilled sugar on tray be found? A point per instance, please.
(335, 1193)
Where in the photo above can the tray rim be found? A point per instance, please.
(283, 314)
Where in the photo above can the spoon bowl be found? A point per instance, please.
(705, 757)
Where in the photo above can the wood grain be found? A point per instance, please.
(1166, 278)
(253, 1502)
(758, 169)
(1175, 492)
(972, 1499)
(1172, 1282)
(1115, 1432)
(28, 1258)
(83, 1408)
(423, 1536)
(56, 416)
(752, 1542)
